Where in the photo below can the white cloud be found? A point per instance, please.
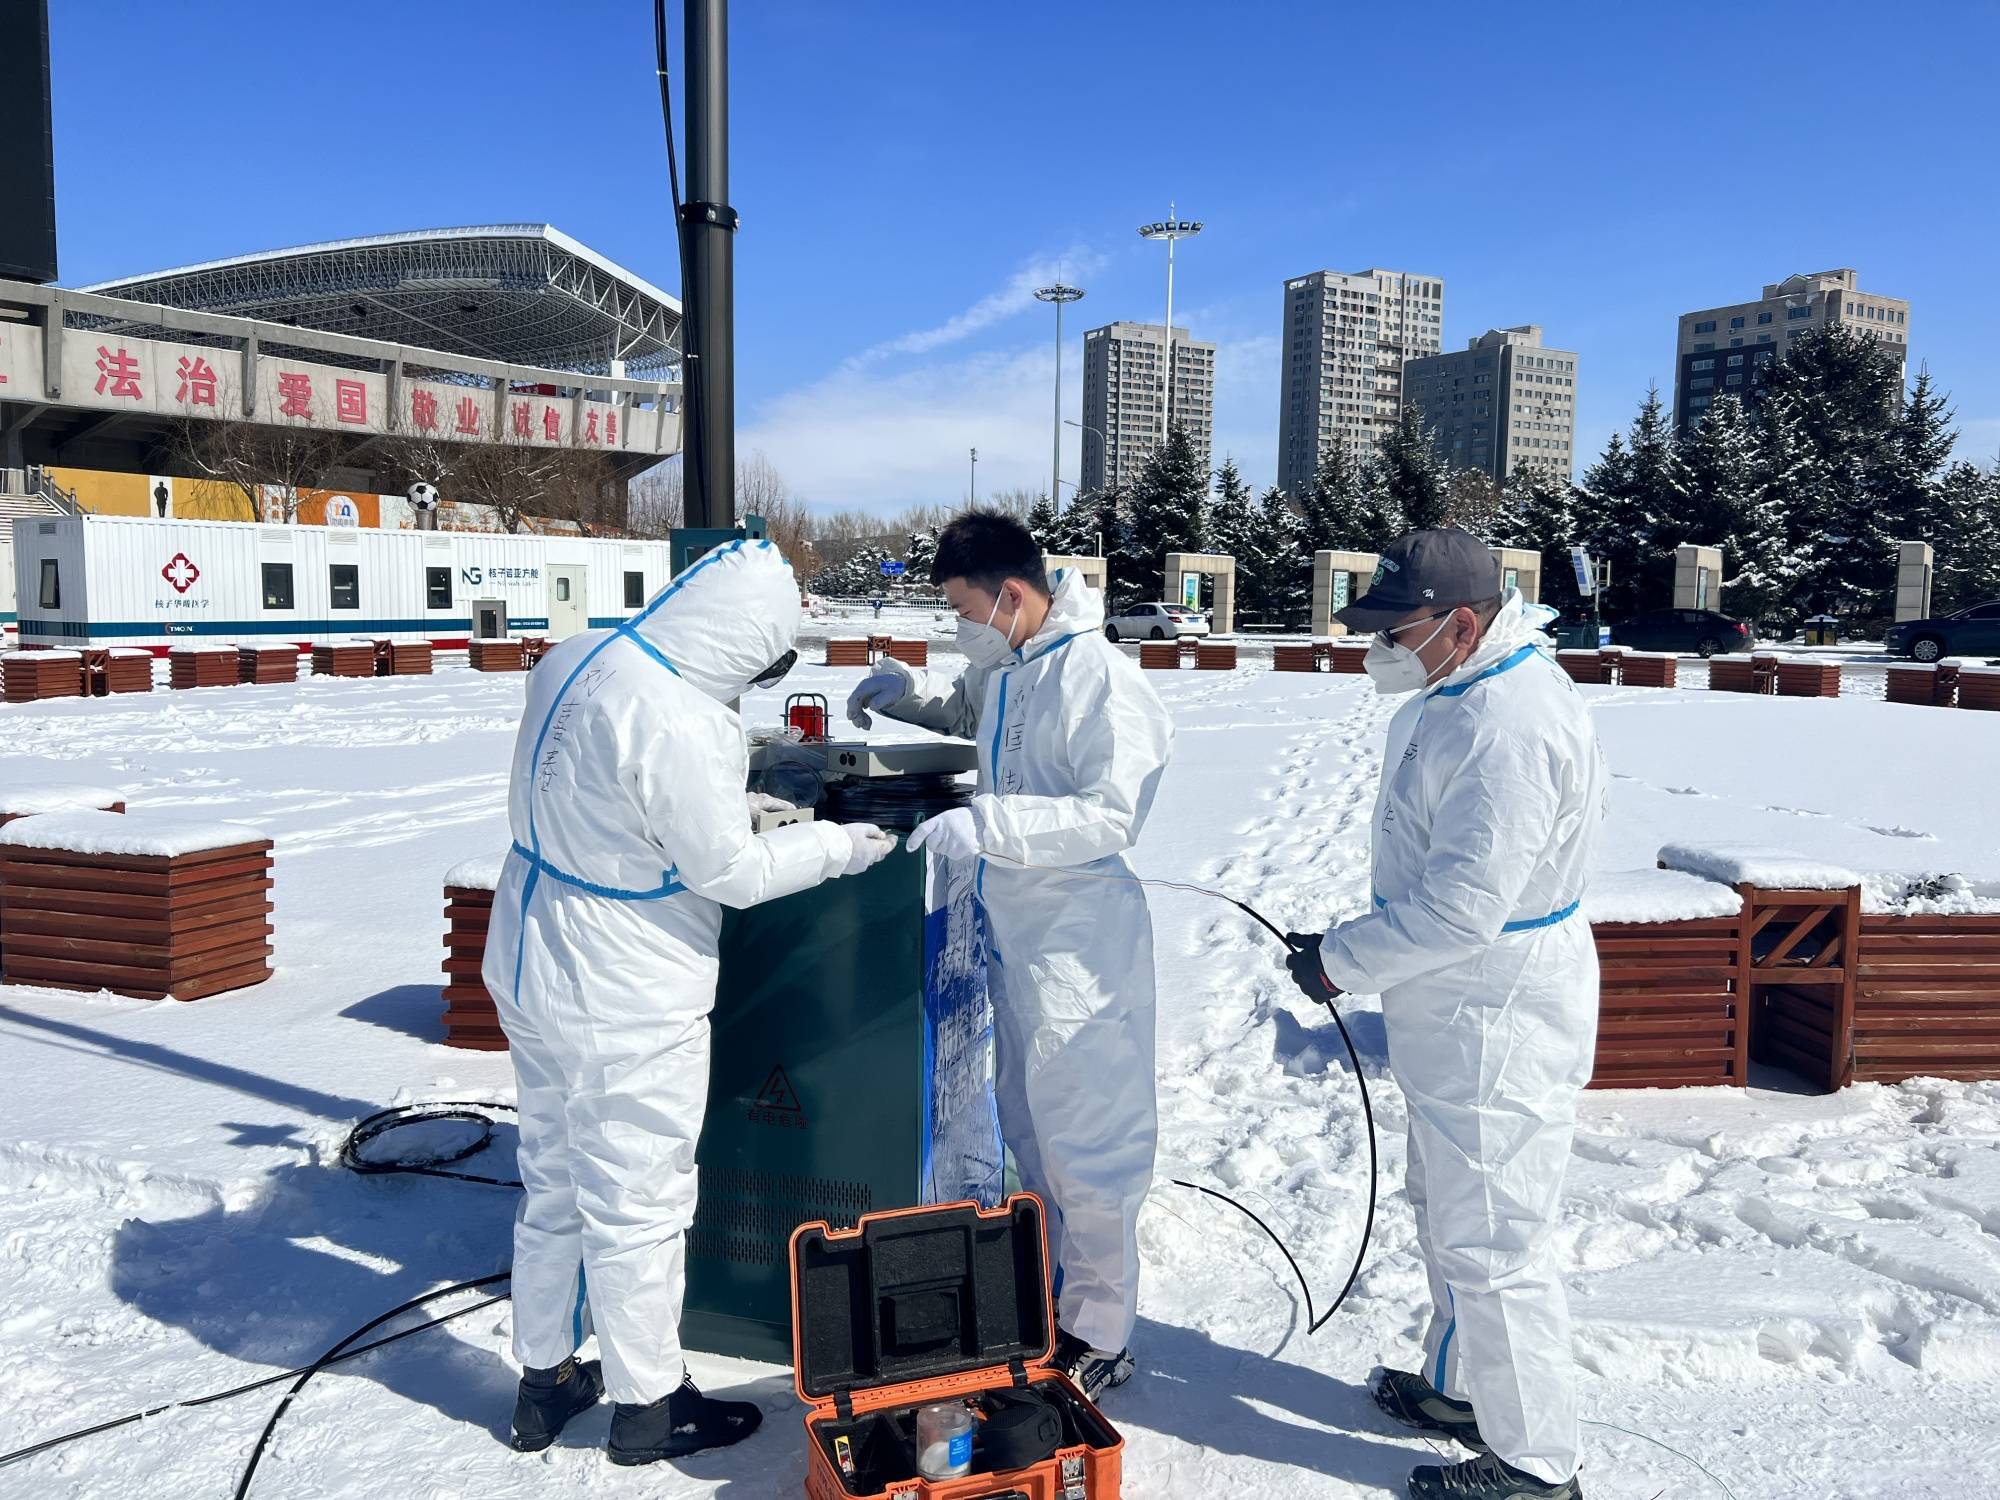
(1016, 296)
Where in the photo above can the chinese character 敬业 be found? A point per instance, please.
(423, 409)
(468, 416)
(120, 371)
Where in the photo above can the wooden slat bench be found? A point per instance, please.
(1979, 688)
(497, 656)
(1215, 656)
(1582, 666)
(1673, 1006)
(1346, 657)
(1296, 658)
(121, 669)
(344, 659)
(470, 1019)
(267, 665)
(409, 658)
(1732, 674)
(142, 906)
(1159, 656)
(910, 653)
(1927, 999)
(32, 676)
(201, 666)
(1932, 684)
(1799, 678)
(848, 654)
(1655, 669)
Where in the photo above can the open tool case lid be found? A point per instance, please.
(952, 1297)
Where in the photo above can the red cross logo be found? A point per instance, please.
(181, 573)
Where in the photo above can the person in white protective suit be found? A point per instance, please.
(1492, 791)
(631, 833)
(1072, 744)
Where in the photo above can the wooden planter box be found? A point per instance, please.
(266, 666)
(1651, 669)
(1160, 656)
(201, 666)
(31, 676)
(121, 669)
(1672, 1007)
(1921, 682)
(848, 654)
(410, 658)
(1979, 687)
(533, 649)
(1733, 674)
(911, 653)
(345, 659)
(1295, 658)
(1808, 679)
(470, 1019)
(497, 656)
(1927, 998)
(153, 926)
(1352, 660)
(1582, 666)
(1217, 657)
(1611, 663)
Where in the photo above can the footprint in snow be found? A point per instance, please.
(1900, 833)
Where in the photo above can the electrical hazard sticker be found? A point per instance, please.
(777, 1102)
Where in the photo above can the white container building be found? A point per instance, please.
(138, 581)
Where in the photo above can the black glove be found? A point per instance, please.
(1303, 962)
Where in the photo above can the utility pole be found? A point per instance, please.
(1058, 294)
(1169, 229)
(708, 235)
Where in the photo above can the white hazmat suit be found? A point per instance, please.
(1072, 743)
(631, 833)
(1492, 791)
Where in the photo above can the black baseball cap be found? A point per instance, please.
(1436, 570)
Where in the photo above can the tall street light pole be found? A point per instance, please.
(1169, 229)
(1058, 294)
(709, 228)
(973, 497)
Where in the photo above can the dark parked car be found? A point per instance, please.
(1699, 630)
(1970, 632)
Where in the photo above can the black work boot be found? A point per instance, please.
(675, 1426)
(549, 1398)
(1091, 1370)
(1415, 1402)
(1487, 1478)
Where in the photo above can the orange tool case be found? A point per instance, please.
(924, 1305)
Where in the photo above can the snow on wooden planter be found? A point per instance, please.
(1658, 669)
(267, 665)
(1296, 658)
(848, 654)
(1931, 683)
(1582, 666)
(409, 658)
(1803, 922)
(470, 1019)
(1673, 997)
(1218, 656)
(910, 653)
(150, 907)
(1342, 657)
(201, 666)
(344, 659)
(57, 796)
(31, 676)
(497, 656)
(1927, 999)
(1802, 677)
(122, 669)
(1160, 656)
(1979, 687)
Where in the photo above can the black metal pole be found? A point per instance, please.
(709, 457)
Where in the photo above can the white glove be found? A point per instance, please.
(950, 835)
(871, 846)
(885, 686)
(764, 802)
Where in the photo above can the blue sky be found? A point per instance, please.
(907, 172)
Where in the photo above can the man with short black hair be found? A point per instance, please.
(1492, 791)
(1072, 743)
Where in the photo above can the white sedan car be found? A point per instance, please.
(1155, 622)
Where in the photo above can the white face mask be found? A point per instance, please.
(1398, 668)
(984, 645)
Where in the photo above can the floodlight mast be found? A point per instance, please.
(1169, 229)
(708, 331)
(1058, 294)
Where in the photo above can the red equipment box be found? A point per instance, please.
(921, 1306)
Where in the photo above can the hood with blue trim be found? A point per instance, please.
(732, 613)
(1518, 624)
(1075, 608)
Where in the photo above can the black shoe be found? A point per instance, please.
(1092, 1370)
(1415, 1402)
(1487, 1478)
(549, 1398)
(685, 1422)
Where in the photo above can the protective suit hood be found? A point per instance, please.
(1517, 624)
(727, 617)
(1074, 607)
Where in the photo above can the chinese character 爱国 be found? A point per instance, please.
(350, 398)
(295, 394)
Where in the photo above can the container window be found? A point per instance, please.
(343, 582)
(437, 588)
(277, 585)
(51, 584)
(562, 590)
(635, 590)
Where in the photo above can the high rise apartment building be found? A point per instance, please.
(1725, 350)
(1347, 338)
(1123, 365)
(1501, 402)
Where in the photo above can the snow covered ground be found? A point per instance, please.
(1801, 1292)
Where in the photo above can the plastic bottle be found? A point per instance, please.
(944, 1440)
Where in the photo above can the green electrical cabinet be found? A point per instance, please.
(851, 1071)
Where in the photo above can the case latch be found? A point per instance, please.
(1018, 1368)
(843, 1403)
(1072, 1478)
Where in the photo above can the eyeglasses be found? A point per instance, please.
(1388, 637)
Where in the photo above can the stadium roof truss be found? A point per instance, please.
(518, 293)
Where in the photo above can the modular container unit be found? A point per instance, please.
(140, 581)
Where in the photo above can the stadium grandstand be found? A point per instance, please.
(520, 294)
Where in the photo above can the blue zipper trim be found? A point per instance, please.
(993, 762)
(1525, 924)
(1053, 646)
(669, 883)
(536, 864)
(1520, 654)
